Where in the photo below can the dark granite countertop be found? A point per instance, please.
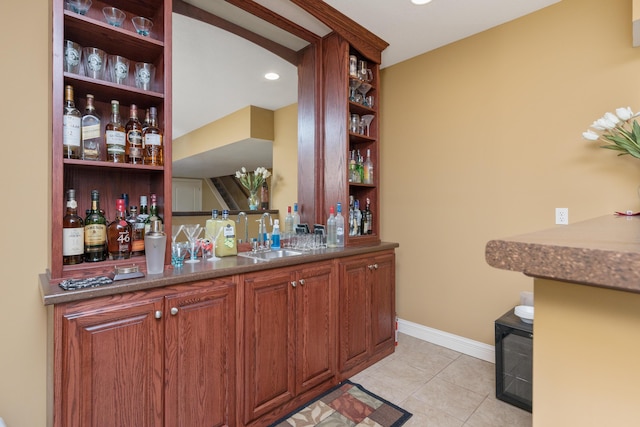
(603, 251)
(52, 293)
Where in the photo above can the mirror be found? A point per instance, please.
(226, 114)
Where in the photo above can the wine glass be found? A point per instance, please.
(193, 231)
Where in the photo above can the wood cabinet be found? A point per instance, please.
(341, 139)
(164, 357)
(366, 315)
(110, 179)
(289, 338)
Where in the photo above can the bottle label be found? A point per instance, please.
(90, 132)
(152, 139)
(72, 241)
(340, 231)
(95, 234)
(116, 141)
(71, 131)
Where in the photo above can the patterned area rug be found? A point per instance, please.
(347, 404)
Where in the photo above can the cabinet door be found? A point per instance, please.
(354, 313)
(316, 327)
(200, 357)
(111, 364)
(269, 345)
(383, 306)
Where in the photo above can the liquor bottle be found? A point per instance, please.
(275, 235)
(91, 132)
(137, 232)
(143, 218)
(228, 244)
(296, 217)
(368, 169)
(145, 124)
(354, 176)
(95, 232)
(115, 137)
(359, 166)
(72, 232)
(339, 226)
(289, 229)
(331, 229)
(152, 141)
(71, 126)
(119, 234)
(355, 219)
(351, 214)
(264, 196)
(153, 213)
(369, 216)
(133, 129)
(125, 197)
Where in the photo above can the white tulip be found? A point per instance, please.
(244, 170)
(624, 113)
(590, 135)
(611, 118)
(604, 124)
(597, 126)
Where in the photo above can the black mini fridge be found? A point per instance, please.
(514, 361)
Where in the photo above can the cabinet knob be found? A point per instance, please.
(174, 310)
(158, 314)
(373, 266)
(302, 282)
(294, 284)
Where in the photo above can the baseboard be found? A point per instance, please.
(463, 345)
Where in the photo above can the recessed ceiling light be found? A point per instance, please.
(420, 2)
(272, 76)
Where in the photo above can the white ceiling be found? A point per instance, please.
(216, 73)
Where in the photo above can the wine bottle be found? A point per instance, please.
(119, 234)
(331, 229)
(133, 129)
(95, 232)
(115, 136)
(71, 126)
(91, 132)
(72, 232)
(339, 226)
(152, 141)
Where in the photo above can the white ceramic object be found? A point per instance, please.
(525, 313)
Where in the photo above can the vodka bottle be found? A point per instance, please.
(339, 226)
(296, 217)
(357, 219)
(288, 223)
(331, 229)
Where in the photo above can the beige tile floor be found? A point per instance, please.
(440, 387)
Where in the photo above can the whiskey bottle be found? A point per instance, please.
(119, 234)
(71, 126)
(133, 128)
(137, 232)
(115, 136)
(95, 232)
(91, 132)
(152, 140)
(72, 232)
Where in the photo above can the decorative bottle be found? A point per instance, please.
(133, 128)
(331, 229)
(228, 244)
(119, 234)
(71, 126)
(91, 132)
(95, 231)
(339, 226)
(152, 141)
(72, 232)
(114, 136)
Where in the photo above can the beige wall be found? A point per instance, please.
(481, 139)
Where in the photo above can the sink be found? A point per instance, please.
(270, 255)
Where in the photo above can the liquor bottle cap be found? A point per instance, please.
(156, 228)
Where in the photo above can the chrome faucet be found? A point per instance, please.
(246, 227)
(262, 230)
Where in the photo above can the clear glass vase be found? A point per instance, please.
(253, 200)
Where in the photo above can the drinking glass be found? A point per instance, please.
(117, 69)
(94, 61)
(144, 75)
(178, 253)
(72, 57)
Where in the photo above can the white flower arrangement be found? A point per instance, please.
(252, 181)
(620, 132)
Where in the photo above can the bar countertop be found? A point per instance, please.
(603, 252)
(52, 293)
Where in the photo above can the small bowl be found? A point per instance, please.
(525, 313)
(114, 16)
(142, 25)
(79, 6)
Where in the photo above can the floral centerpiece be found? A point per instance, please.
(619, 131)
(252, 181)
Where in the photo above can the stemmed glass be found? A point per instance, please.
(366, 77)
(365, 122)
(354, 83)
(213, 256)
(193, 231)
(175, 230)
